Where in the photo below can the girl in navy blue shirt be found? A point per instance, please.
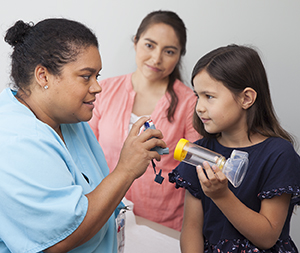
(234, 111)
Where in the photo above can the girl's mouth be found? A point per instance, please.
(204, 120)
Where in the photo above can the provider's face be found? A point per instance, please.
(157, 52)
(71, 95)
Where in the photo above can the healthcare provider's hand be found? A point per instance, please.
(136, 155)
(213, 181)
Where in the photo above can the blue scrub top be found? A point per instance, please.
(44, 181)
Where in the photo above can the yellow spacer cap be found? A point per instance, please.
(179, 153)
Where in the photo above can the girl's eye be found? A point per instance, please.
(209, 96)
(196, 94)
(148, 45)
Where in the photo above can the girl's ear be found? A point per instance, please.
(248, 97)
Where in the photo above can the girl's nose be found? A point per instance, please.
(199, 107)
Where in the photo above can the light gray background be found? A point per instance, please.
(273, 26)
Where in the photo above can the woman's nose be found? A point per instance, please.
(95, 87)
(156, 56)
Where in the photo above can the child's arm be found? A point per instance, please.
(262, 229)
(191, 238)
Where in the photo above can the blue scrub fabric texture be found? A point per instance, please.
(274, 169)
(43, 181)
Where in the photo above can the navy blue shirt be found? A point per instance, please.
(274, 168)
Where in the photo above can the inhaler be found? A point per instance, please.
(234, 167)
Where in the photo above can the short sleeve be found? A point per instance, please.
(40, 202)
(283, 174)
(185, 176)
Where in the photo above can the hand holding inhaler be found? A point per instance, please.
(158, 178)
(234, 167)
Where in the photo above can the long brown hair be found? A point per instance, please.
(172, 19)
(238, 67)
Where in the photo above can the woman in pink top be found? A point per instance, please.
(153, 89)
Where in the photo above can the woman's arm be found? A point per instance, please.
(262, 228)
(133, 162)
(191, 238)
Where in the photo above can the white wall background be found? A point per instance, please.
(271, 25)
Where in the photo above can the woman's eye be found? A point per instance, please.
(86, 77)
(170, 52)
(209, 96)
(97, 76)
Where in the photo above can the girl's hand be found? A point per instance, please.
(136, 155)
(213, 182)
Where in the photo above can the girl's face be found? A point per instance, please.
(217, 108)
(70, 96)
(157, 52)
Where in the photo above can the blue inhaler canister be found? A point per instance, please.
(159, 150)
(162, 151)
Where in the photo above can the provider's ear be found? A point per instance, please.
(248, 97)
(41, 76)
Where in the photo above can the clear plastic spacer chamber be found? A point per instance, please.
(234, 167)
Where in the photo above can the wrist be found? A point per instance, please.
(124, 174)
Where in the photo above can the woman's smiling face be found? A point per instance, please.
(157, 52)
(71, 94)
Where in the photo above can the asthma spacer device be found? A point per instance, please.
(234, 167)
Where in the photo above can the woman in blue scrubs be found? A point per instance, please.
(56, 191)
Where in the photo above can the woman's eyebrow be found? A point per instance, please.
(92, 70)
(152, 41)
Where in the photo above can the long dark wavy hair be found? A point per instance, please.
(238, 67)
(172, 19)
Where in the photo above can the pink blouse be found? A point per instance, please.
(110, 122)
